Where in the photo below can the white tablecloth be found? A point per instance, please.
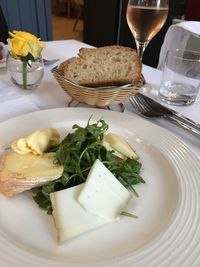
(49, 94)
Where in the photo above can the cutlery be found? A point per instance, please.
(50, 61)
(150, 108)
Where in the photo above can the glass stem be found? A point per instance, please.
(140, 48)
(24, 74)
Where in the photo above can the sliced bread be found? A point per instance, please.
(108, 65)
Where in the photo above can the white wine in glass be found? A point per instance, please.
(145, 18)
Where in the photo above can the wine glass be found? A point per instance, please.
(145, 18)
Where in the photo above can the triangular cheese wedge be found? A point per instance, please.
(70, 218)
(119, 145)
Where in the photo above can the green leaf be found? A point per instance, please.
(77, 153)
(43, 202)
(128, 214)
(27, 58)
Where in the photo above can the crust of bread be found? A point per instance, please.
(108, 65)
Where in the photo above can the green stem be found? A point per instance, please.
(128, 214)
(24, 74)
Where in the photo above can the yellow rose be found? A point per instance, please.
(23, 43)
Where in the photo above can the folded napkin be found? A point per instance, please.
(16, 107)
(184, 35)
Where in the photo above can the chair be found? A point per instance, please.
(78, 5)
(184, 35)
(62, 6)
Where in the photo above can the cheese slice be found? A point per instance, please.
(20, 146)
(70, 218)
(37, 143)
(43, 139)
(103, 194)
(120, 145)
(23, 172)
(110, 148)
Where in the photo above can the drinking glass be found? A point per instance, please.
(145, 18)
(181, 77)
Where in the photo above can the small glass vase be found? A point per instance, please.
(25, 75)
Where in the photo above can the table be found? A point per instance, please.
(14, 101)
(49, 94)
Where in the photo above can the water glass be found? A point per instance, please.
(181, 77)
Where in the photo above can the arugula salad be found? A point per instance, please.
(77, 153)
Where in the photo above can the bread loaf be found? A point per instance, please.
(108, 65)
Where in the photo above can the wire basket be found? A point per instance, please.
(97, 96)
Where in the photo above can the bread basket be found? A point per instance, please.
(98, 96)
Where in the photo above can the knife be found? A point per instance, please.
(172, 114)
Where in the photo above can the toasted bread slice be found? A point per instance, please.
(108, 65)
(19, 173)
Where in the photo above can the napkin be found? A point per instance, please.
(16, 107)
(184, 35)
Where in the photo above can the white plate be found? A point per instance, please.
(167, 232)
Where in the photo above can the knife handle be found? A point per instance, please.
(187, 125)
(185, 120)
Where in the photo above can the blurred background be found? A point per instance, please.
(96, 22)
